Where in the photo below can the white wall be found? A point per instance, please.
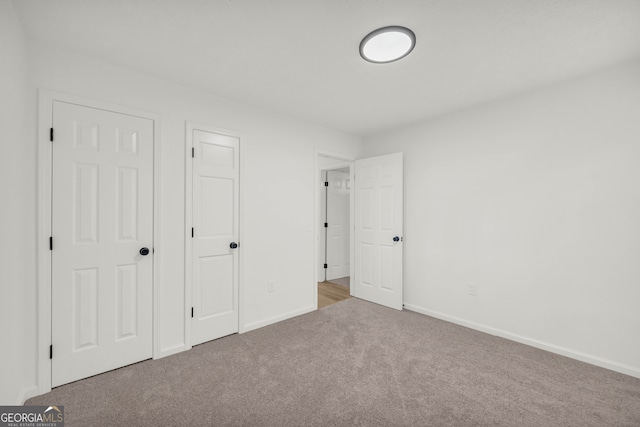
(278, 160)
(536, 200)
(17, 211)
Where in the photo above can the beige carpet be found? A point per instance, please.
(355, 364)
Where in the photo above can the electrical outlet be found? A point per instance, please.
(271, 286)
(472, 289)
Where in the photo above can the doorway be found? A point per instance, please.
(334, 230)
(376, 206)
(337, 261)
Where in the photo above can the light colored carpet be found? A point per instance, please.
(355, 364)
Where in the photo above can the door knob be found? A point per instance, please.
(396, 239)
(144, 251)
(233, 245)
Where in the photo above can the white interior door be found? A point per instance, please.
(322, 230)
(338, 233)
(379, 225)
(102, 215)
(215, 219)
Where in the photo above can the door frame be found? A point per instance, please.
(344, 161)
(188, 224)
(44, 214)
(324, 230)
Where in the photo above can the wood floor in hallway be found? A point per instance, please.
(331, 293)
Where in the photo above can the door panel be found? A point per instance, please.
(215, 219)
(379, 218)
(338, 233)
(127, 204)
(85, 199)
(127, 301)
(85, 303)
(102, 214)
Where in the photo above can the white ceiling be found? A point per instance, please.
(300, 57)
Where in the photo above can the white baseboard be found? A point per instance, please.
(27, 393)
(172, 350)
(583, 357)
(256, 325)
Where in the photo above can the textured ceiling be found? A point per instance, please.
(300, 57)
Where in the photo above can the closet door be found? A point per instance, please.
(102, 241)
(215, 248)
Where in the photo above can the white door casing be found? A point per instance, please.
(338, 219)
(102, 215)
(378, 220)
(215, 217)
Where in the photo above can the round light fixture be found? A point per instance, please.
(387, 44)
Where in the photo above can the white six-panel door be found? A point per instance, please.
(215, 219)
(338, 233)
(102, 215)
(378, 234)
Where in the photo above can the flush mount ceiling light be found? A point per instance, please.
(387, 44)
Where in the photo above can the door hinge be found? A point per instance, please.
(326, 266)
(51, 351)
(326, 225)
(193, 152)
(192, 232)
(51, 134)
(192, 312)
(326, 183)
(50, 243)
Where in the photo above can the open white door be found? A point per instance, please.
(378, 230)
(216, 168)
(102, 241)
